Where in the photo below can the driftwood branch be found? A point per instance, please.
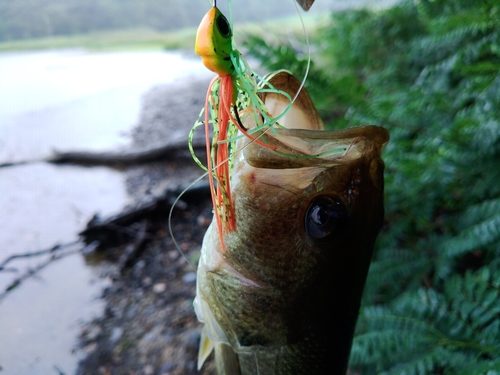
(57, 252)
(53, 249)
(17, 163)
(133, 249)
(170, 151)
(118, 228)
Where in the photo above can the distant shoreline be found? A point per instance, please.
(149, 39)
(110, 40)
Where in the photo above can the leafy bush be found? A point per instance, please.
(429, 72)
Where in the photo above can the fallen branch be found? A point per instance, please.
(57, 255)
(117, 229)
(170, 151)
(17, 163)
(36, 253)
(178, 150)
(134, 249)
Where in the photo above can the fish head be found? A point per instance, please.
(308, 212)
(314, 201)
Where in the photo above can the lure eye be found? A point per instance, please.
(223, 26)
(325, 216)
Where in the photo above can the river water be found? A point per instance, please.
(64, 100)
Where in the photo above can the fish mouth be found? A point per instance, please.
(299, 139)
(298, 148)
(304, 163)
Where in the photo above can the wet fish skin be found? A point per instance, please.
(281, 300)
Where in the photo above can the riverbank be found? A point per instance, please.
(149, 325)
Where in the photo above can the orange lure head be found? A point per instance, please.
(214, 42)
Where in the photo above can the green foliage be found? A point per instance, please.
(428, 332)
(428, 71)
(281, 54)
(27, 19)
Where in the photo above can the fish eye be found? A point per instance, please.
(325, 216)
(223, 26)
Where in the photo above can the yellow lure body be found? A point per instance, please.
(214, 43)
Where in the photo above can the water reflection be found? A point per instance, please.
(70, 99)
(43, 205)
(40, 321)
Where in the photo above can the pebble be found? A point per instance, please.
(90, 348)
(167, 367)
(93, 333)
(189, 278)
(173, 254)
(147, 281)
(148, 370)
(116, 334)
(203, 221)
(132, 311)
(140, 264)
(151, 335)
(159, 288)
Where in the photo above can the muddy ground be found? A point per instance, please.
(149, 326)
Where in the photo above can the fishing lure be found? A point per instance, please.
(234, 91)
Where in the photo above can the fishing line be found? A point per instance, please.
(264, 80)
(304, 30)
(170, 217)
(256, 363)
(230, 13)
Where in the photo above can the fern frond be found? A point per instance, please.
(471, 21)
(394, 270)
(432, 363)
(473, 238)
(479, 212)
(476, 300)
(412, 333)
(483, 368)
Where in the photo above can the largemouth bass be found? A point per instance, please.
(283, 297)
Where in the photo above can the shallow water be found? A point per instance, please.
(41, 321)
(64, 100)
(44, 205)
(73, 99)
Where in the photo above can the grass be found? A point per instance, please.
(147, 39)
